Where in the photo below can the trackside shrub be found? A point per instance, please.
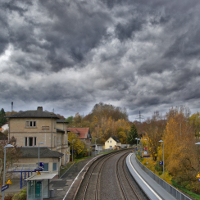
(21, 195)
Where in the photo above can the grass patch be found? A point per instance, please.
(193, 195)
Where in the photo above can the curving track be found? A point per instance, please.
(128, 188)
(108, 178)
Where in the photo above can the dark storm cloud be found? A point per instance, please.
(158, 66)
(185, 46)
(125, 31)
(69, 30)
(142, 55)
(76, 30)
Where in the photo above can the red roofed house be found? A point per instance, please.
(83, 134)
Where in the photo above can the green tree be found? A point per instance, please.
(2, 117)
(70, 119)
(132, 135)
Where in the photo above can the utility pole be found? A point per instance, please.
(140, 117)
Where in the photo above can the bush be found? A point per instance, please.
(8, 197)
(21, 195)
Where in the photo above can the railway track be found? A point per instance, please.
(128, 189)
(108, 178)
(89, 189)
(96, 170)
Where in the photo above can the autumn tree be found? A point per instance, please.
(179, 147)
(104, 121)
(154, 129)
(78, 146)
(132, 135)
(105, 110)
(77, 118)
(194, 121)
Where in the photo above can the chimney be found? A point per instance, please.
(40, 108)
(12, 106)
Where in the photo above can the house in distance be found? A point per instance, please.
(112, 142)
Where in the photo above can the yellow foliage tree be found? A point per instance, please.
(179, 150)
(78, 145)
(194, 121)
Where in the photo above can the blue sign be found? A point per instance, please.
(73, 151)
(199, 179)
(161, 163)
(5, 187)
(42, 164)
(146, 155)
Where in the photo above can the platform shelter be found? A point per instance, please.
(38, 186)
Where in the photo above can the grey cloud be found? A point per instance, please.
(155, 66)
(143, 55)
(186, 46)
(126, 31)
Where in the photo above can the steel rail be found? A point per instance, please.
(127, 179)
(103, 160)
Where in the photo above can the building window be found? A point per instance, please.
(46, 167)
(30, 124)
(110, 146)
(25, 141)
(54, 141)
(111, 141)
(54, 166)
(108, 141)
(30, 141)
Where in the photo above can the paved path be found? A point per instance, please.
(61, 186)
(152, 189)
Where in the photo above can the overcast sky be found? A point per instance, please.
(65, 55)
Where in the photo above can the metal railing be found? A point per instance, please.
(172, 190)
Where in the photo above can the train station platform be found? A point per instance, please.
(150, 187)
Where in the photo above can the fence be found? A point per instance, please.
(172, 190)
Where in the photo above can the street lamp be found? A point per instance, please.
(7, 146)
(163, 161)
(95, 145)
(90, 147)
(147, 150)
(137, 140)
(72, 149)
(39, 153)
(198, 143)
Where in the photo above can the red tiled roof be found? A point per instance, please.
(82, 132)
